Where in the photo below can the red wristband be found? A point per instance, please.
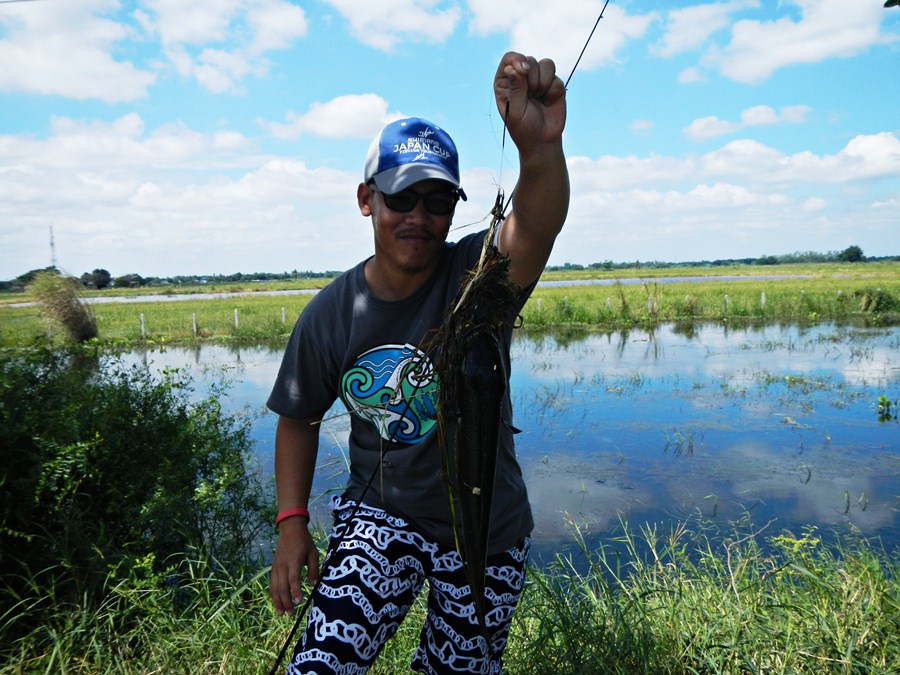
(290, 513)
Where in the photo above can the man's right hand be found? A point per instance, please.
(294, 551)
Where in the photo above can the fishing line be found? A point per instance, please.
(583, 49)
(501, 213)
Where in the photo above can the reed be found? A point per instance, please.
(59, 297)
(684, 601)
(650, 302)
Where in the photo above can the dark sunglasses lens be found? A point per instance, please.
(401, 202)
(439, 203)
(436, 203)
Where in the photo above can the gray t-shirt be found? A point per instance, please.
(350, 345)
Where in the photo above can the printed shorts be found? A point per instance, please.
(371, 580)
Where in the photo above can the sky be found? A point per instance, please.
(164, 137)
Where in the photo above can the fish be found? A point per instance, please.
(477, 436)
(472, 380)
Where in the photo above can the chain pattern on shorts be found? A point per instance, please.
(375, 574)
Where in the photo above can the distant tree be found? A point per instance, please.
(102, 278)
(851, 254)
(22, 281)
(99, 278)
(128, 281)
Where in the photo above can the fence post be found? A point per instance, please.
(194, 323)
(726, 303)
(762, 300)
(282, 315)
(143, 328)
(235, 318)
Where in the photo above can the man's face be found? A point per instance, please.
(409, 241)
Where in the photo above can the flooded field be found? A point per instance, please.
(788, 426)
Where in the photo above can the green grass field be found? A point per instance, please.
(817, 292)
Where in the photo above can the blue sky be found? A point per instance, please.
(163, 137)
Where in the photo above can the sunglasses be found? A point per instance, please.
(437, 202)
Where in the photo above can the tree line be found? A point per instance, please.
(851, 254)
(101, 278)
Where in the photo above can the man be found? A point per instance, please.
(356, 339)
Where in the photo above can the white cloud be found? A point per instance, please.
(751, 196)
(65, 49)
(121, 193)
(689, 28)
(814, 204)
(560, 30)
(641, 126)
(691, 75)
(182, 199)
(709, 127)
(191, 23)
(220, 42)
(386, 23)
(826, 29)
(352, 115)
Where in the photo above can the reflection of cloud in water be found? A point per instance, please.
(856, 356)
(588, 402)
(591, 491)
(750, 477)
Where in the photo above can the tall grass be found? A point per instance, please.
(59, 297)
(675, 603)
(652, 302)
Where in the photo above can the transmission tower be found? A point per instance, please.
(53, 249)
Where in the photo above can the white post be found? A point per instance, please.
(143, 328)
(235, 318)
(726, 303)
(282, 315)
(194, 322)
(762, 300)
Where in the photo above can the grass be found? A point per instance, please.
(643, 602)
(675, 603)
(870, 290)
(804, 300)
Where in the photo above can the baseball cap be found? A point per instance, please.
(410, 150)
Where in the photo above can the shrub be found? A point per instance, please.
(108, 467)
(58, 295)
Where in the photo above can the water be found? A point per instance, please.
(776, 423)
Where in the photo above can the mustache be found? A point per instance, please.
(415, 232)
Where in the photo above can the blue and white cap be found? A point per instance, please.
(410, 150)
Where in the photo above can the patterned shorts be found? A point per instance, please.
(372, 579)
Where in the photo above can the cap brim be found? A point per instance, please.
(401, 177)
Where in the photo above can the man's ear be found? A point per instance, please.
(364, 197)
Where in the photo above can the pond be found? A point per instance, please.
(711, 423)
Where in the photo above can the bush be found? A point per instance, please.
(58, 295)
(107, 468)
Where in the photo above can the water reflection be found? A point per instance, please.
(699, 421)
